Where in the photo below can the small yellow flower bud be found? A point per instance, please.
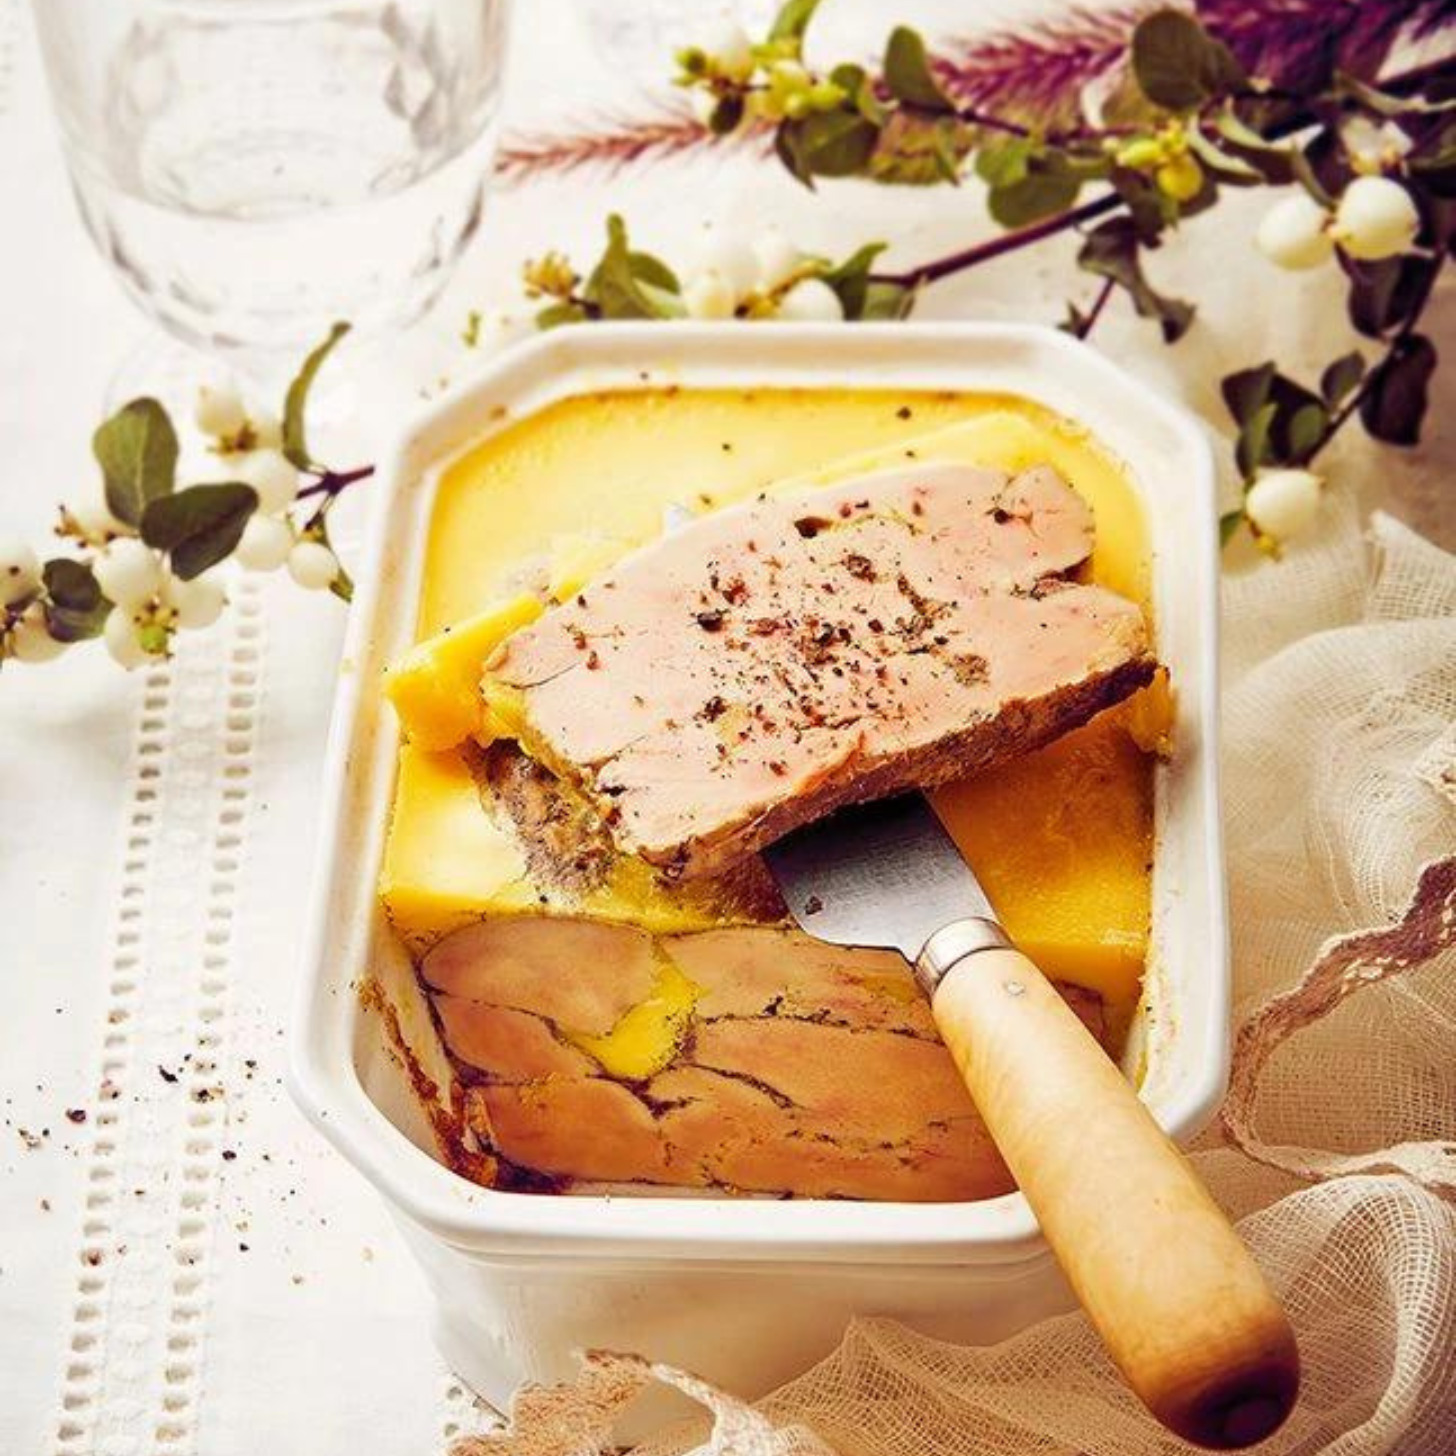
(550, 275)
(1141, 154)
(1180, 178)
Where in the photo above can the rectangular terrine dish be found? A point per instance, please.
(744, 1291)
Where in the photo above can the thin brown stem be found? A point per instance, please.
(984, 119)
(1089, 321)
(995, 247)
(331, 482)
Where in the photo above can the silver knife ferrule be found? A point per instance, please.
(951, 944)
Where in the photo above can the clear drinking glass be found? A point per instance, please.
(254, 169)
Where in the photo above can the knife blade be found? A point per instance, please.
(1180, 1304)
(884, 874)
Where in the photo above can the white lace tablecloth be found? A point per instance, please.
(185, 1269)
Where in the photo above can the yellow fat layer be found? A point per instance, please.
(646, 1038)
(435, 686)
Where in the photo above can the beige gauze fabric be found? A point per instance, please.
(1336, 1148)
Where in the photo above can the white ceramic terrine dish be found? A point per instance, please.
(746, 1292)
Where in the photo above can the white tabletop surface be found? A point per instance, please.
(314, 1328)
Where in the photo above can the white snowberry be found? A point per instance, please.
(267, 429)
(1295, 233)
(1373, 146)
(313, 566)
(19, 571)
(709, 296)
(777, 257)
(128, 572)
(730, 47)
(219, 411)
(198, 603)
(811, 300)
(265, 543)
(119, 633)
(1283, 503)
(729, 257)
(1376, 218)
(93, 516)
(30, 640)
(273, 476)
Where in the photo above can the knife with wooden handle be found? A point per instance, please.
(1175, 1296)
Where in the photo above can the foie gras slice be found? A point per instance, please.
(769, 663)
(713, 1060)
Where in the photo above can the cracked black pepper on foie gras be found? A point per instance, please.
(765, 665)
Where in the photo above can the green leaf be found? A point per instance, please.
(75, 608)
(1280, 421)
(1437, 172)
(1111, 251)
(1236, 171)
(948, 148)
(1272, 162)
(1178, 64)
(1004, 164)
(1439, 229)
(665, 303)
(556, 314)
(888, 301)
(137, 451)
(1253, 446)
(1341, 377)
(1075, 322)
(1394, 403)
(908, 75)
(1305, 433)
(1037, 195)
(653, 272)
(1324, 158)
(1245, 391)
(199, 526)
(788, 147)
(857, 84)
(1385, 294)
(793, 20)
(1431, 165)
(829, 143)
(850, 279)
(917, 150)
(1228, 524)
(1386, 103)
(631, 285)
(1125, 106)
(1149, 207)
(295, 404)
(726, 115)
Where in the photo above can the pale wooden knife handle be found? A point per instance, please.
(1165, 1280)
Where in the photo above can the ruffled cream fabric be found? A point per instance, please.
(1336, 1148)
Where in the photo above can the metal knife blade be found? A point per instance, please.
(883, 874)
